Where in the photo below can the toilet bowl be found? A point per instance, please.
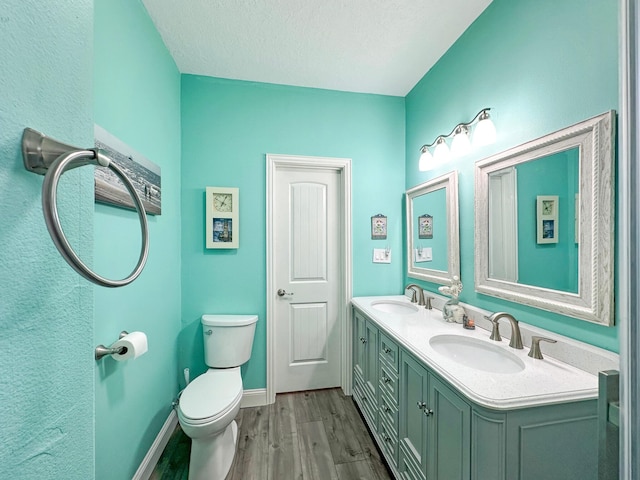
(208, 406)
(206, 412)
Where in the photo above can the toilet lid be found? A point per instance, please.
(211, 394)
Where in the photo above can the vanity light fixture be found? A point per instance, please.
(484, 134)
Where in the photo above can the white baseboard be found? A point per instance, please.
(254, 398)
(153, 455)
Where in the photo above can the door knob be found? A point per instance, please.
(281, 292)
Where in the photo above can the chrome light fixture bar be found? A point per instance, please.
(484, 134)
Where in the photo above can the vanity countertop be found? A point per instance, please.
(541, 382)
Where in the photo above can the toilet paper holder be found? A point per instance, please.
(102, 351)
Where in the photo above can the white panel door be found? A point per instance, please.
(307, 237)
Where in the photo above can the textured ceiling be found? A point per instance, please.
(369, 46)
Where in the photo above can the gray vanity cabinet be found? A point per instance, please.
(435, 425)
(427, 430)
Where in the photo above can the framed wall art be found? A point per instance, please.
(143, 173)
(221, 217)
(547, 218)
(425, 227)
(379, 227)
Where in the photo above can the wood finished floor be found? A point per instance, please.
(314, 435)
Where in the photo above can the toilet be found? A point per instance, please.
(209, 405)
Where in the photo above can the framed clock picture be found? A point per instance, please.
(221, 217)
(547, 218)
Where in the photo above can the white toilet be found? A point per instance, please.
(210, 403)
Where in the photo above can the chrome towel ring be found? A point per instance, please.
(44, 155)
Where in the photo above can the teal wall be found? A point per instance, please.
(227, 129)
(548, 265)
(46, 309)
(137, 99)
(540, 66)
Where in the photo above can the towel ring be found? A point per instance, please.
(45, 156)
(49, 206)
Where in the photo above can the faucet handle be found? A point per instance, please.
(495, 331)
(413, 295)
(427, 300)
(535, 346)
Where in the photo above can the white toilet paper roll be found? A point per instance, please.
(135, 343)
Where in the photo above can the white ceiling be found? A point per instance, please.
(368, 46)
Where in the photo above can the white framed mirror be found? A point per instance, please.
(544, 222)
(433, 239)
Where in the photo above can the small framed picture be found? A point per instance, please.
(547, 218)
(379, 227)
(221, 217)
(425, 227)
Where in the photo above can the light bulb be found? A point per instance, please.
(461, 144)
(426, 160)
(485, 131)
(441, 153)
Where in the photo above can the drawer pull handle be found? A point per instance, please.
(386, 350)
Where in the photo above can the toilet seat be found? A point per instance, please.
(211, 396)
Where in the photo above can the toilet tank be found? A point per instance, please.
(228, 339)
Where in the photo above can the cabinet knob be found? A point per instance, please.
(386, 350)
(387, 438)
(385, 379)
(386, 409)
(428, 412)
(363, 340)
(422, 405)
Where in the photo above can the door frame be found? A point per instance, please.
(343, 166)
(629, 236)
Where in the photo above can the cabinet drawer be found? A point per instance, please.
(389, 442)
(388, 382)
(389, 352)
(388, 411)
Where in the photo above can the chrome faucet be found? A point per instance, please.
(516, 338)
(416, 289)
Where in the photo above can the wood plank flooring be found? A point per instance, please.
(313, 435)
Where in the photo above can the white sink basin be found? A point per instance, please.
(478, 354)
(393, 306)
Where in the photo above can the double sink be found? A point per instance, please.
(489, 373)
(467, 351)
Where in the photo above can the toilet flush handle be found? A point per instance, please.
(208, 332)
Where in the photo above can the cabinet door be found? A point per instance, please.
(413, 422)
(371, 359)
(449, 447)
(359, 339)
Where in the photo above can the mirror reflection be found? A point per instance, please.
(533, 222)
(544, 222)
(432, 237)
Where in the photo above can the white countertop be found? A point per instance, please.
(541, 382)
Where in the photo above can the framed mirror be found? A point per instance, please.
(544, 229)
(433, 241)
